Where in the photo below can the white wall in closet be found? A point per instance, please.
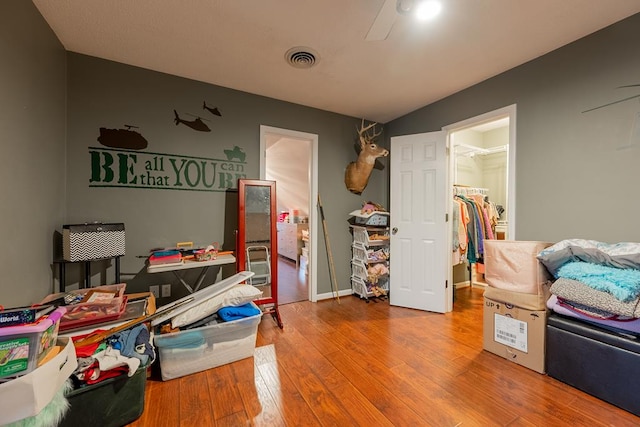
(481, 161)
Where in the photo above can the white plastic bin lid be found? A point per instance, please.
(202, 295)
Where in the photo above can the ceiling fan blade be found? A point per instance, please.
(381, 27)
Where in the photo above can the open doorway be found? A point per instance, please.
(290, 159)
(482, 165)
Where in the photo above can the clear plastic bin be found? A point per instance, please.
(22, 347)
(194, 350)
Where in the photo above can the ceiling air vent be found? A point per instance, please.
(301, 57)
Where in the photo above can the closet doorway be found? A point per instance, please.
(482, 163)
(290, 159)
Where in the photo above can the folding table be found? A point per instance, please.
(188, 264)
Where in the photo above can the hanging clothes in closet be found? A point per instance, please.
(474, 220)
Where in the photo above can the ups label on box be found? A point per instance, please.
(510, 332)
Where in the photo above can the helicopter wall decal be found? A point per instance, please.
(122, 138)
(213, 110)
(197, 124)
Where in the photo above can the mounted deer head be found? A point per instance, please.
(356, 176)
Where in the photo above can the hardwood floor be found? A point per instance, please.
(293, 283)
(373, 364)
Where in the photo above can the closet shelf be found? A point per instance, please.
(471, 150)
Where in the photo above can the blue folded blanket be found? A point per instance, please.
(240, 312)
(623, 284)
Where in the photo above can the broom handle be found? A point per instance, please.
(334, 283)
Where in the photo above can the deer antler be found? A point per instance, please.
(363, 133)
(364, 129)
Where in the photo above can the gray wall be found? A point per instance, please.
(32, 165)
(107, 94)
(46, 162)
(576, 172)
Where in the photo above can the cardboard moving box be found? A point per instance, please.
(513, 265)
(515, 333)
(519, 299)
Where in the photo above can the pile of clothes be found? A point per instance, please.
(595, 282)
(122, 353)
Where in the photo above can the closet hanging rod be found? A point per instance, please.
(464, 190)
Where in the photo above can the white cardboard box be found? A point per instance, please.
(27, 395)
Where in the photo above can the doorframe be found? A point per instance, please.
(510, 112)
(313, 193)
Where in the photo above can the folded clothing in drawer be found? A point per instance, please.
(601, 362)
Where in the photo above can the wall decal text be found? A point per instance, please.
(162, 171)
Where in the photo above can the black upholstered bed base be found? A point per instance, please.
(601, 362)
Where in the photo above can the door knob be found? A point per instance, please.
(394, 230)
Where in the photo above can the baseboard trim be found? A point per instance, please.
(461, 285)
(330, 295)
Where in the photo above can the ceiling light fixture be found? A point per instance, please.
(426, 10)
(404, 7)
(421, 9)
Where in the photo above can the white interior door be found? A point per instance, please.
(418, 261)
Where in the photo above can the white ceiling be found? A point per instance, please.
(241, 44)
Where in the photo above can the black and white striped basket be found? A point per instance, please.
(84, 242)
